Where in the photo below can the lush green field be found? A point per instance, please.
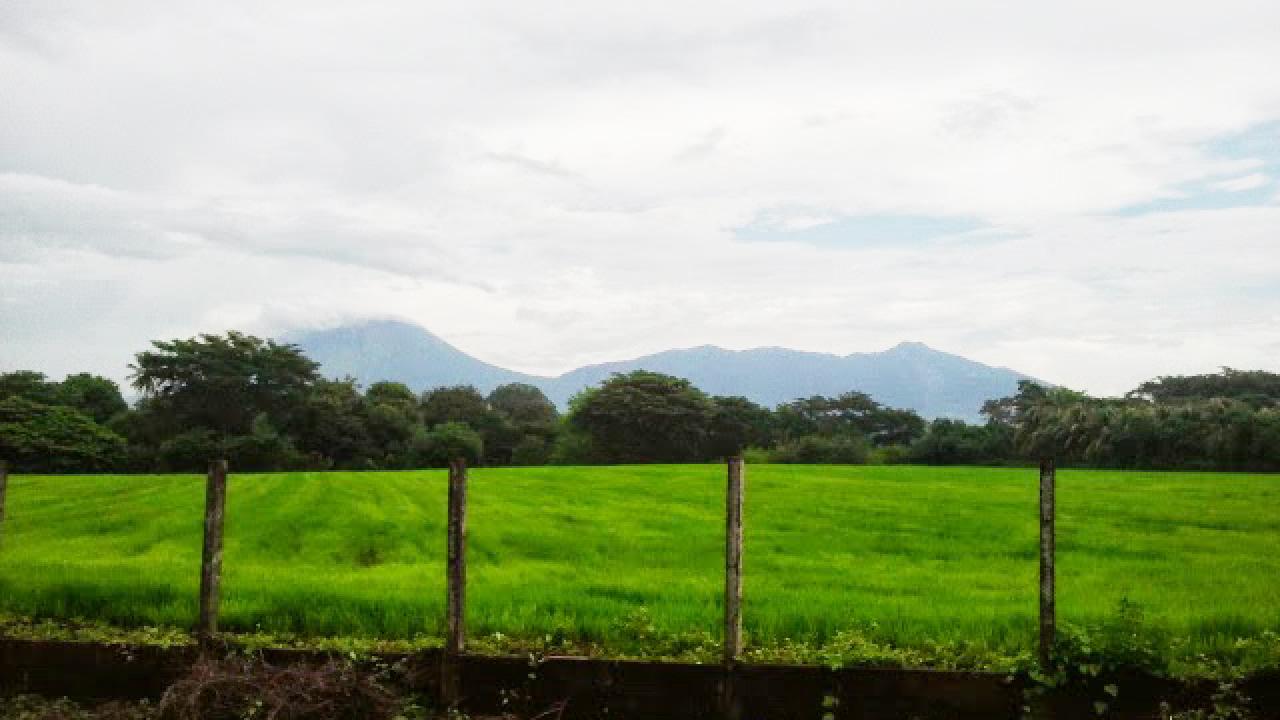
(910, 555)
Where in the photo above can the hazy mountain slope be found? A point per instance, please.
(390, 350)
(910, 375)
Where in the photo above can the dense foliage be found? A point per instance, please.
(1227, 421)
(264, 406)
(644, 417)
(223, 383)
(55, 438)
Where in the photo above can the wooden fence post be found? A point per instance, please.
(4, 488)
(733, 563)
(1048, 537)
(732, 705)
(456, 590)
(215, 505)
(455, 583)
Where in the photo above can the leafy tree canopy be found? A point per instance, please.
(222, 382)
(1222, 421)
(394, 394)
(458, 403)
(736, 424)
(54, 438)
(95, 396)
(29, 385)
(644, 416)
(953, 442)
(1256, 387)
(851, 413)
(525, 406)
(447, 441)
(330, 422)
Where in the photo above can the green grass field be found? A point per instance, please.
(911, 555)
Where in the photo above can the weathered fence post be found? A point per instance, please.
(456, 591)
(1048, 480)
(4, 488)
(733, 563)
(733, 586)
(215, 506)
(455, 583)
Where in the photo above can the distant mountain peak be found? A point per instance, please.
(910, 346)
(390, 349)
(933, 383)
(705, 350)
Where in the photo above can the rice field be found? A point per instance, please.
(909, 554)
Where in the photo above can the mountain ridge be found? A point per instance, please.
(910, 374)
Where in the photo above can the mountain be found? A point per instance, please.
(908, 375)
(390, 350)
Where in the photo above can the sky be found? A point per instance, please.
(1086, 192)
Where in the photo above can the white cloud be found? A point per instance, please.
(552, 185)
(1242, 183)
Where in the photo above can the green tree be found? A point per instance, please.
(1254, 387)
(531, 450)
(464, 404)
(146, 431)
(1009, 410)
(392, 394)
(447, 441)
(93, 395)
(189, 451)
(391, 415)
(54, 438)
(1204, 422)
(737, 423)
(1055, 423)
(457, 403)
(264, 448)
(221, 383)
(526, 407)
(891, 426)
(329, 425)
(644, 416)
(572, 446)
(851, 413)
(955, 442)
(526, 425)
(826, 416)
(29, 385)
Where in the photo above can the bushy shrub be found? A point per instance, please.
(1093, 661)
(890, 455)
(815, 449)
(445, 442)
(264, 449)
(572, 447)
(189, 451)
(954, 442)
(531, 450)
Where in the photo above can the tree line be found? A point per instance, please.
(265, 406)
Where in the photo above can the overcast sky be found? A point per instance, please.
(1086, 192)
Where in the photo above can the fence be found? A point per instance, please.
(456, 570)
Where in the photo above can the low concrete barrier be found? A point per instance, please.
(592, 688)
